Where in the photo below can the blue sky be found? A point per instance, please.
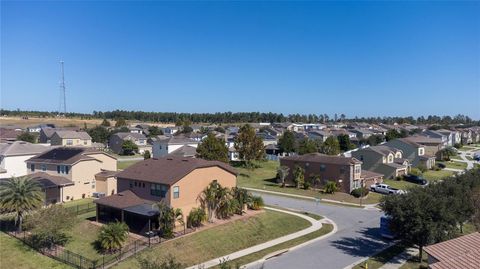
(358, 58)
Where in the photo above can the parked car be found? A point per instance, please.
(385, 189)
(416, 179)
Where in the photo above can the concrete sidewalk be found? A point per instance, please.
(316, 225)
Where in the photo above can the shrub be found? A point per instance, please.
(147, 155)
(256, 202)
(357, 193)
(196, 217)
(398, 178)
(415, 171)
(306, 185)
(422, 168)
(458, 145)
(330, 187)
(112, 236)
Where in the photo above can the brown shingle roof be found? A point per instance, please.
(50, 181)
(107, 173)
(168, 170)
(322, 158)
(122, 200)
(67, 134)
(462, 252)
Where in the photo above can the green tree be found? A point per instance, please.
(298, 176)
(213, 149)
(112, 236)
(211, 198)
(20, 196)
(147, 155)
(168, 217)
(49, 226)
(393, 134)
(330, 146)
(446, 153)
(120, 122)
(345, 143)
(129, 147)
(286, 143)
(307, 146)
(27, 137)
(242, 196)
(248, 145)
(154, 131)
(105, 123)
(99, 134)
(282, 173)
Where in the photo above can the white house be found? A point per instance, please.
(13, 156)
(165, 145)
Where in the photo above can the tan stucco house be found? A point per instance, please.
(383, 159)
(176, 181)
(74, 169)
(71, 139)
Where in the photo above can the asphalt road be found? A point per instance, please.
(357, 236)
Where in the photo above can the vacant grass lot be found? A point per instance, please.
(224, 239)
(263, 178)
(15, 254)
(125, 164)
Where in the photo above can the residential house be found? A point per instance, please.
(165, 145)
(13, 156)
(450, 135)
(9, 135)
(432, 145)
(47, 132)
(320, 135)
(346, 172)
(71, 139)
(116, 141)
(383, 159)
(436, 134)
(466, 136)
(414, 152)
(186, 151)
(69, 172)
(170, 130)
(175, 181)
(462, 252)
(362, 133)
(38, 128)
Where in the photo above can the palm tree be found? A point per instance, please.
(112, 236)
(242, 196)
(20, 195)
(211, 198)
(282, 172)
(167, 218)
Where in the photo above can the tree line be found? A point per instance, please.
(237, 117)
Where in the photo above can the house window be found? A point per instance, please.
(84, 142)
(32, 167)
(43, 167)
(158, 190)
(358, 170)
(176, 192)
(322, 167)
(62, 169)
(69, 142)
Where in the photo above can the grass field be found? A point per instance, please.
(454, 165)
(436, 175)
(78, 202)
(326, 228)
(125, 164)
(15, 254)
(264, 178)
(224, 239)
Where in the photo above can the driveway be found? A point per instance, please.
(357, 236)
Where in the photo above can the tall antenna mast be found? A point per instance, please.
(63, 96)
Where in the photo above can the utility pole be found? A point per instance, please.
(63, 96)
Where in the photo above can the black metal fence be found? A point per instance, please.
(82, 209)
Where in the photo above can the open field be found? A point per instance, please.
(63, 122)
(224, 239)
(264, 178)
(15, 254)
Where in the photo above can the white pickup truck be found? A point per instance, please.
(385, 189)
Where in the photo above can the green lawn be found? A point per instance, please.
(224, 239)
(470, 158)
(378, 260)
(456, 157)
(400, 184)
(326, 228)
(78, 202)
(436, 175)
(15, 254)
(454, 165)
(263, 178)
(125, 164)
(413, 263)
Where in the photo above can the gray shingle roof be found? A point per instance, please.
(18, 148)
(66, 134)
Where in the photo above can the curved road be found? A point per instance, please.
(357, 236)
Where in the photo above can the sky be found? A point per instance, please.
(360, 58)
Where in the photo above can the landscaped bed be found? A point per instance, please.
(224, 239)
(263, 178)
